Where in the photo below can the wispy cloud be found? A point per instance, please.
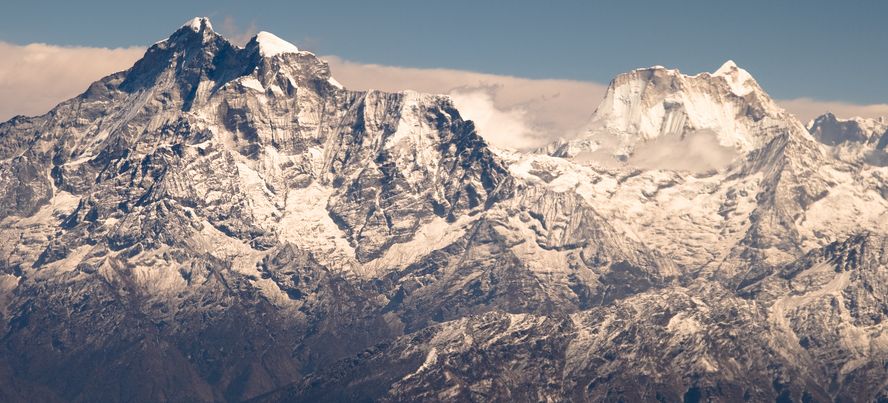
(501, 127)
(697, 152)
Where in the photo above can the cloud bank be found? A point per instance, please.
(36, 77)
(510, 112)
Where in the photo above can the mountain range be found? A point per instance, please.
(227, 223)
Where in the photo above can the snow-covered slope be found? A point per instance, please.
(225, 223)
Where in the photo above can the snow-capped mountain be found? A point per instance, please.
(779, 193)
(229, 223)
(656, 103)
(856, 140)
(830, 130)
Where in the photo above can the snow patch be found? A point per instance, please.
(260, 199)
(335, 83)
(307, 223)
(433, 235)
(71, 261)
(271, 45)
(252, 83)
(683, 324)
(431, 359)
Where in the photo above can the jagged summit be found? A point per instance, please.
(268, 44)
(198, 27)
(195, 62)
(657, 102)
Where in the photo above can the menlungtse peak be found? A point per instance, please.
(269, 44)
(644, 104)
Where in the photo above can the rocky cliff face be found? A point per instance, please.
(807, 333)
(230, 223)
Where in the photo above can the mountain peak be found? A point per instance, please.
(193, 32)
(271, 45)
(737, 78)
(648, 103)
(197, 24)
(726, 68)
(195, 55)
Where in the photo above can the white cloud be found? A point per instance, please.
(697, 152)
(504, 128)
(509, 111)
(36, 77)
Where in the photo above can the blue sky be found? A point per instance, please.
(825, 50)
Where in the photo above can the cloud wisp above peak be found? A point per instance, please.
(510, 112)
